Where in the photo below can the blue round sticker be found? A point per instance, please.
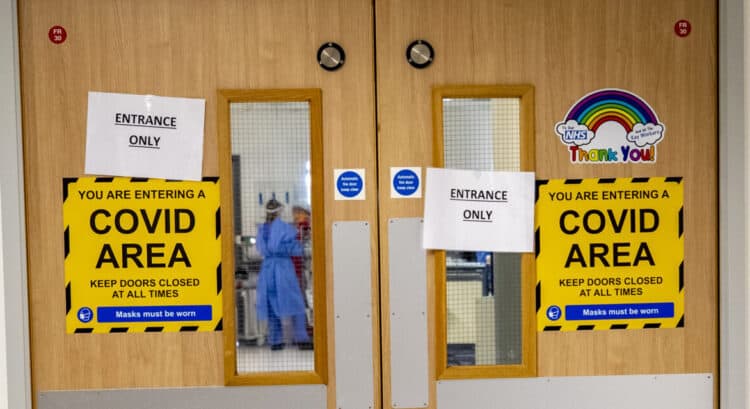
(406, 182)
(349, 184)
(85, 314)
(554, 313)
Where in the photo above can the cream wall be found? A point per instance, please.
(734, 68)
(14, 362)
(3, 343)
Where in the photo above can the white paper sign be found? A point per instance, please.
(479, 211)
(144, 136)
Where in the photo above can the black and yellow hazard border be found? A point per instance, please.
(650, 250)
(99, 254)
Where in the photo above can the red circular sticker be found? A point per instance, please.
(57, 34)
(682, 28)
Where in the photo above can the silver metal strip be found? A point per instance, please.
(245, 397)
(408, 313)
(684, 391)
(352, 306)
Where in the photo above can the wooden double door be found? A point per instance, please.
(377, 113)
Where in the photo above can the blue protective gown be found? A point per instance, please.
(278, 293)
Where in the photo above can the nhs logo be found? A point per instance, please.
(573, 135)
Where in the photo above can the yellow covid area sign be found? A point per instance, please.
(609, 254)
(142, 255)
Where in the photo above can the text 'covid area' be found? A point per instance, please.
(150, 222)
(599, 222)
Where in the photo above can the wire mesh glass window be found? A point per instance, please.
(273, 241)
(483, 289)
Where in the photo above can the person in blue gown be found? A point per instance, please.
(279, 298)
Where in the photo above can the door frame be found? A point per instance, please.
(313, 97)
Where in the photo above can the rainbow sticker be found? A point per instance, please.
(611, 126)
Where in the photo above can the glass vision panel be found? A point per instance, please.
(273, 240)
(483, 289)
